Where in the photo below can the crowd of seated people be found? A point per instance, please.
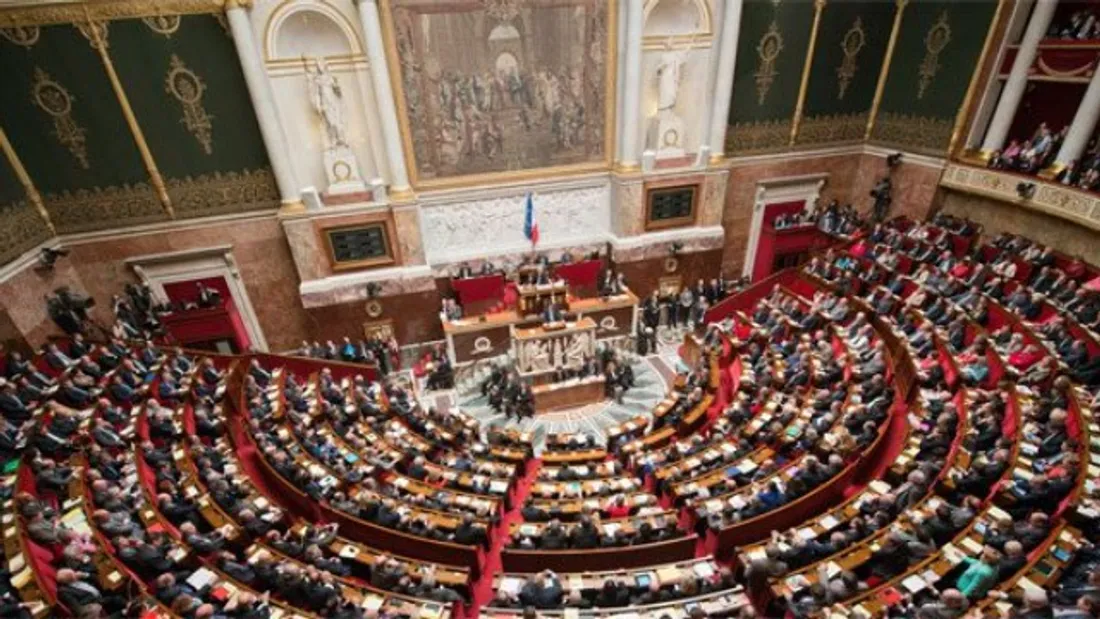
(1080, 25)
(1083, 173)
(1031, 155)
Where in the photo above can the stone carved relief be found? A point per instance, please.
(466, 229)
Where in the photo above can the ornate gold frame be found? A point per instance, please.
(469, 180)
(393, 253)
(104, 10)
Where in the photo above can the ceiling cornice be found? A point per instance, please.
(48, 13)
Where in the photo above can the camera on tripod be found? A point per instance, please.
(68, 309)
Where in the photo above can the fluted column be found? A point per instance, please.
(1016, 83)
(632, 85)
(723, 87)
(1084, 123)
(263, 101)
(383, 96)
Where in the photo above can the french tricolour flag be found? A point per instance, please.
(530, 226)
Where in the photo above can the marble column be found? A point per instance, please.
(1084, 123)
(632, 89)
(383, 96)
(263, 101)
(1016, 83)
(723, 87)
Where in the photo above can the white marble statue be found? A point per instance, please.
(327, 100)
(669, 71)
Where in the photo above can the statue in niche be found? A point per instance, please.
(327, 100)
(665, 133)
(668, 79)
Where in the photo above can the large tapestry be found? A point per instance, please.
(494, 86)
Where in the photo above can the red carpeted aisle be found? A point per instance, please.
(482, 590)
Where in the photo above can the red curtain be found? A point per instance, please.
(581, 276)
(477, 290)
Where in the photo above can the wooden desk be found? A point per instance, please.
(569, 394)
(489, 335)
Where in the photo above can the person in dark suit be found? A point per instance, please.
(552, 314)
(464, 271)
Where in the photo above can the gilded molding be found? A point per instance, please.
(25, 179)
(165, 25)
(884, 72)
(55, 100)
(107, 10)
(807, 64)
(186, 87)
(964, 109)
(1051, 198)
(100, 45)
(768, 50)
(99, 208)
(832, 128)
(923, 132)
(935, 41)
(753, 137)
(23, 36)
(224, 193)
(853, 42)
(21, 230)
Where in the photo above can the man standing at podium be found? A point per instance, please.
(552, 314)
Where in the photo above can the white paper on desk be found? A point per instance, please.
(1027, 584)
(201, 578)
(807, 533)
(511, 586)
(829, 521)
(914, 584)
(703, 569)
(972, 546)
(349, 551)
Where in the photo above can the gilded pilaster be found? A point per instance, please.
(25, 179)
(964, 109)
(884, 73)
(819, 6)
(95, 32)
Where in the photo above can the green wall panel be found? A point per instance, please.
(143, 59)
(831, 115)
(184, 81)
(105, 183)
(923, 119)
(763, 123)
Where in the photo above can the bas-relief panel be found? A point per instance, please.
(471, 228)
(502, 86)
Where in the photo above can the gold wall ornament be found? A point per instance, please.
(758, 136)
(832, 129)
(165, 25)
(224, 193)
(853, 42)
(44, 14)
(768, 49)
(923, 134)
(187, 88)
(23, 36)
(94, 31)
(104, 208)
(937, 38)
(53, 99)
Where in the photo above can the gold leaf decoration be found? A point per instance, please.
(94, 31)
(23, 36)
(187, 88)
(223, 193)
(21, 228)
(99, 208)
(927, 134)
(854, 40)
(758, 136)
(935, 41)
(43, 14)
(768, 49)
(832, 128)
(165, 25)
(53, 99)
